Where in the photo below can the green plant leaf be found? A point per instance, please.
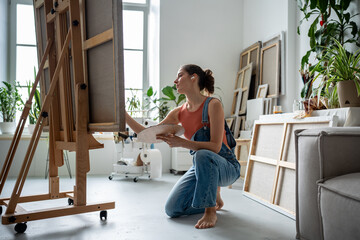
(150, 91)
(347, 17)
(332, 3)
(169, 92)
(181, 98)
(313, 4)
(323, 4)
(312, 31)
(305, 59)
(354, 30)
(345, 4)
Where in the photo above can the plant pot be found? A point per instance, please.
(31, 128)
(347, 93)
(7, 127)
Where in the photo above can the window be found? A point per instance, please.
(135, 14)
(24, 62)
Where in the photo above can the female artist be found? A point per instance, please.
(208, 138)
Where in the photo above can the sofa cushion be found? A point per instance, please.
(339, 207)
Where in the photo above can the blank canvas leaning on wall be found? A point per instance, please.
(274, 39)
(270, 68)
(270, 176)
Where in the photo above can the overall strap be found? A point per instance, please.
(205, 117)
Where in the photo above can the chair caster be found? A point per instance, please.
(70, 201)
(103, 215)
(135, 179)
(20, 227)
(110, 177)
(0, 210)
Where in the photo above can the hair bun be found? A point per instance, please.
(208, 72)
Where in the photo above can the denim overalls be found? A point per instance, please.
(197, 188)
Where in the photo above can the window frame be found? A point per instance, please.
(145, 9)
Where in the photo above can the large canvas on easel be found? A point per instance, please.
(270, 173)
(104, 69)
(103, 62)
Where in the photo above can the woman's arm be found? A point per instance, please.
(216, 114)
(171, 118)
(134, 125)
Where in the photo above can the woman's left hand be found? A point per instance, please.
(172, 140)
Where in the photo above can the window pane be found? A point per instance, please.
(26, 60)
(135, 1)
(133, 66)
(133, 29)
(25, 24)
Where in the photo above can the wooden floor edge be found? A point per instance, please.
(55, 212)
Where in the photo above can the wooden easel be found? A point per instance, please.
(58, 107)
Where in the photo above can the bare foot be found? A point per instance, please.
(219, 201)
(208, 220)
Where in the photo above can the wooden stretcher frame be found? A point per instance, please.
(68, 117)
(252, 55)
(280, 164)
(280, 37)
(269, 61)
(242, 83)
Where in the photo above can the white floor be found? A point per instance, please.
(139, 214)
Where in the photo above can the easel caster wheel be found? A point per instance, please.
(110, 177)
(70, 201)
(135, 179)
(103, 215)
(20, 227)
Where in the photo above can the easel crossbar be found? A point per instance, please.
(55, 212)
(40, 197)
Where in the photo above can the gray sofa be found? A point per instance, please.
(328, 183)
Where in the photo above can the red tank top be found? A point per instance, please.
(191, 121)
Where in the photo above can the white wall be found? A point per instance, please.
(3, 40)
(204, 32)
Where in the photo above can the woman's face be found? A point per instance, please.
(183, 81)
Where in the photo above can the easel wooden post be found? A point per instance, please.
(57, 105)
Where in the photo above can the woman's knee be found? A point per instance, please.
(202, 156)
(170, 209)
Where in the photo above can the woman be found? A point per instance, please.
(214, 164)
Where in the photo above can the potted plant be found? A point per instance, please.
(162, 104)
(332, 23)
(340, 70)
(133, 103)
(35, 108)
(10, 101)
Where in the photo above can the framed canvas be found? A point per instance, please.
(280, 37)
(262, 91)
(270, 69)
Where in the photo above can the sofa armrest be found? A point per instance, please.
(338, 149)
(320, 154)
